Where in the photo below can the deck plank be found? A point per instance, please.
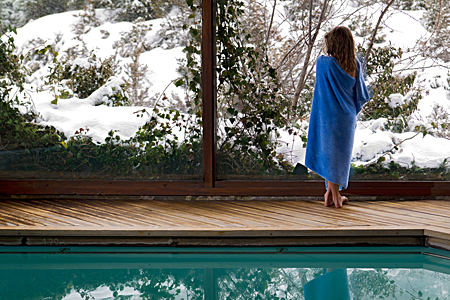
(131, 214)
(22, 210)
(232, 217)
(102, 211)
(190, 212)
(317, 211)
(347, 217)
(62, 210)
(267, 219)
(275, 213)
(169, 215)
(172, 222)
(237, 217)
(413, 215)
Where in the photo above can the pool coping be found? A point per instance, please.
(429, 236)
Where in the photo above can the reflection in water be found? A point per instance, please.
(332, 285)
(245, 283)
(70, 277)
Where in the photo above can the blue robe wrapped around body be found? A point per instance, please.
(338, 97)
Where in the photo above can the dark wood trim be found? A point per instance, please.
(399, 188)
(239, 241)
(98, 187)
(222, 188)
(209, 91)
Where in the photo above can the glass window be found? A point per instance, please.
(267, 54)
(100, 89)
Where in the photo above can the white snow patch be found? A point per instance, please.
(395, 100)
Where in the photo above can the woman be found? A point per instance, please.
(339, 94)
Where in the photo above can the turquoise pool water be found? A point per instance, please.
(224, 273)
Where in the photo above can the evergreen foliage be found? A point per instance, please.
(385, 83)
(251, 105)
(132, 44)
(131, 10)
(438, 22)
(83, 76)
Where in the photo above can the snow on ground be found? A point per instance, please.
(72, 114)
(69, 115)
(402, 29)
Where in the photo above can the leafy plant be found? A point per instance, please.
(395, 171)
(16, 132)
(385, 83)
(82, 76)
(131, 10)
(440, 121)
(251, 105)
(155, 151)
(132, 44)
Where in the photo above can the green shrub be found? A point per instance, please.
(82, 76)
(16, 132)
(153, 153)
(395, 171)
(131, 10)
(250, 103)
(380, 67)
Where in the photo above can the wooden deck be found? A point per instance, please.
(223, 223)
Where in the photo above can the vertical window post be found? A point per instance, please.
(209, 91)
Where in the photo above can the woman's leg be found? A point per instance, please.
(332, 196)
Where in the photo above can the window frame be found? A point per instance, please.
(210, 186)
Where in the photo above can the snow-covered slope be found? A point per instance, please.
(401, 29)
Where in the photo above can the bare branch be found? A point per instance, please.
(302, 39)
(270, 24)
(439, 16)
(301, 83)
(290, 50)
(291, 69)
(372, 40)
(310, 22)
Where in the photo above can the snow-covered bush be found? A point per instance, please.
(87, 19)
(131, 10)
(82, 76)
(34, 9)
(16, 131)
(174, 31)
(112, 93)
(387, 87)
(131, 45)
(10, 13)
(440, 121)
(437, 19)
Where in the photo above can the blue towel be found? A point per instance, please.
(338, 97)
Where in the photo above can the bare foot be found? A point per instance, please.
(328, 198)
(332, 196)
(339, 201)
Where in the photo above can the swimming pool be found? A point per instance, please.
(71, 273)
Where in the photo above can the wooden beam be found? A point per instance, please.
(209, 91)
(294, 241)
(221, 188)
(61, 232)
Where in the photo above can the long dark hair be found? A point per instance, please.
(339, 43)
